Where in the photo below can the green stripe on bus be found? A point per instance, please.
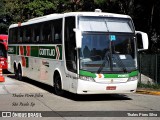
(51, 52)
(90, 74)
(17, 50)
(86, 73)
(116, 75)
(34, 51)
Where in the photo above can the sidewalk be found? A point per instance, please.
(148, 91)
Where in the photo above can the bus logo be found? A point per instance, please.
(6, 114)
(52, 52)
(46, 52)
(123, 76)
(58, 53)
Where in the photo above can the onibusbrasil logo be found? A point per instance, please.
(21, 114)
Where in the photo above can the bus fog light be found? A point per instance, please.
(133, 78)
(86, 78)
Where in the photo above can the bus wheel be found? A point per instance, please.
(19, 73)
(58, 86)
(16, 72)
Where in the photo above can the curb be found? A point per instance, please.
(149, 92)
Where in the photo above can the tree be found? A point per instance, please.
(145, 13)
(3, 18)
(88, 5)
(39, 8)
(21, 10)
(15, 9)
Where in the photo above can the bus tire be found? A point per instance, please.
(15, 72)
(58, 86)
(19, 73)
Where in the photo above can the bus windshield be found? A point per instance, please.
(105, 24)
(104, 52)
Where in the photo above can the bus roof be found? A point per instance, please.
(57, 16)
(3, 37)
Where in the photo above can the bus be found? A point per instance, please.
(3, 51)
(78, 52)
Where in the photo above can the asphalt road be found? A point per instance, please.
(30, 96)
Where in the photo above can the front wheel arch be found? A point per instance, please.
(58, 84)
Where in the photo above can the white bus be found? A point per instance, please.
(79, 52)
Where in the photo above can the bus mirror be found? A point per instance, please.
(142, 40)
(78, 38)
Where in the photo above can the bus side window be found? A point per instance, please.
(57, 38)
(46, 32)
(41, 40)
(52, 33)
(70, 44)
(57, 30)
(28, 35)
(13, 36)
(24, 35)
(36, 33)
(20, 35)
(37, 39)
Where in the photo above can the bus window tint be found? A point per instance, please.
(36, 33)
(49, 32)
(70, 52)
(20, 35)
(46, 33)
(13, 35)
(28, 34)
(57, 24)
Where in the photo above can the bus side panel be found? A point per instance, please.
(32, 69)
(13, 59)
(42, 70)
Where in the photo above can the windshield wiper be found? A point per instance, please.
(107, 57)
(120, 63)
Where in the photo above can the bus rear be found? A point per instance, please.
(3, 51)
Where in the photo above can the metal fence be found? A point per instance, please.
(149, 65)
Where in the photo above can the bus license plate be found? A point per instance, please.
(111, 88)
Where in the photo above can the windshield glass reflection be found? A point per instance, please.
(102, 52)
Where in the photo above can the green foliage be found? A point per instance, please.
(3, 19)
(145, 13)
(100, 1)
(15, 9)
(21, 10)
(39, 7)
(149, 86)
(2, 11)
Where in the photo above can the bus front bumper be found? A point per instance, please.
(87, 87)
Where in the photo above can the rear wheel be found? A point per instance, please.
(15, 72)
(19, 73)
(58, 86)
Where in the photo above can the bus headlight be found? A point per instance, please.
(133, 78)
(87, 78)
